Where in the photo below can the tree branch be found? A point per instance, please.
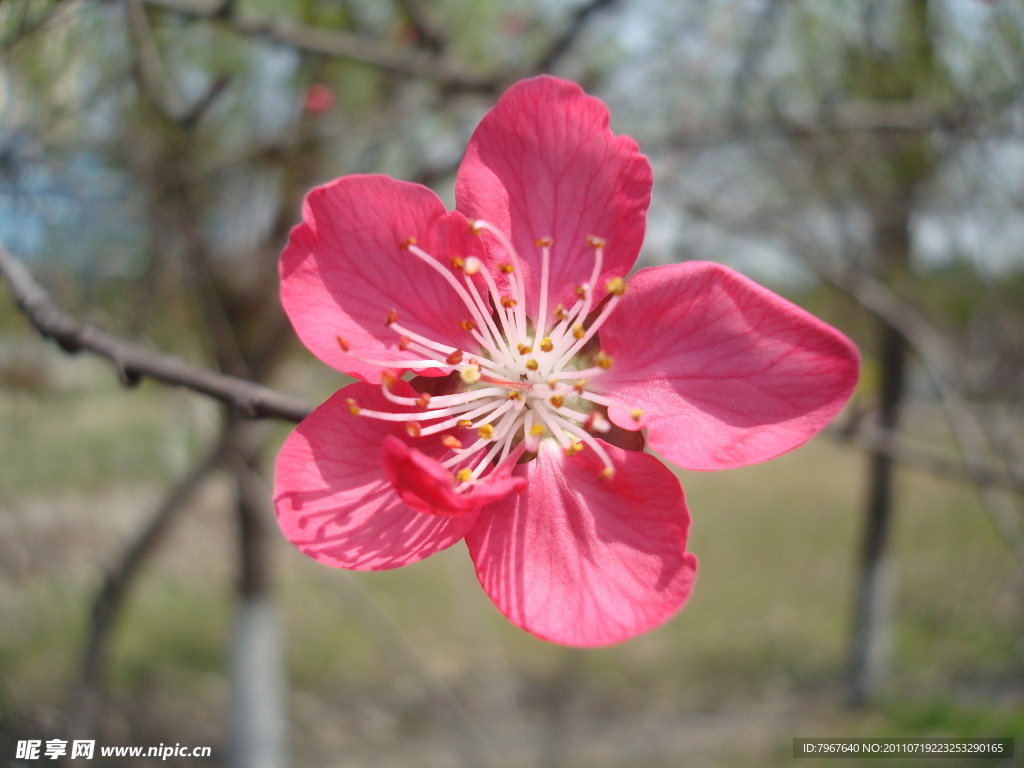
(562, 44)
(406, 60)
(133, 361)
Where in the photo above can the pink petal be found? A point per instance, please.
(423, 484)
(727, 372)
(345, 268)
(335, 501)
(583, 561)
(543, 163)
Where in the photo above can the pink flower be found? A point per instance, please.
(537, 368)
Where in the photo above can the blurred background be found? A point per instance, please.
(865, 158)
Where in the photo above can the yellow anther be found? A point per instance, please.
(578, 331)
(515, 394)
(637, 414)
(464, 423)
(392, 317)
(595, 242)
(546, 345)
(409, 241)
(616, 286)
(537, 430)
(532, 364)
(557, 400)
(353, 406)
(470, 374)
(577, 446)
(579, 385)
(475, 228)
(467, 325)
(388, 379)
(486, 431)
(544, 242)
(343, 343)
(524, 349)
(560, 312)
(508, 302)
(581, 291)
(412, 429)
(604, 361)
(464, 475)
(454, 358)
(506, 269)
(423, 401)
(458, 262)
(607, 473)
(451, 441)
(473, 265)
(404, 342)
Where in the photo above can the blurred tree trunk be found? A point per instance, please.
(889, 173)
(258, 720)
(869, 663)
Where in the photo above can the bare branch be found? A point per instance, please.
(916, 455)
(150, 72)
(106, 608)
(406, 60)
(134, 361)
(427, 29)
(562, 44)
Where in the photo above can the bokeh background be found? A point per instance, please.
(863, 157)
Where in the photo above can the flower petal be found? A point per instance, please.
(726, 372)
(345, 269)
(336, 503)
(583, 561)
(424, 485)
(543, 163)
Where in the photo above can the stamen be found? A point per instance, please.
(505, 429)
(465, 420)
(444, 401)
(581, 340)
(592, 443)
(437, 346)
(448, 276)
(635, 413)
(412, 429)
(541, 320)
(552, 423)
(421, 416)
(516, 281)
(451, 441)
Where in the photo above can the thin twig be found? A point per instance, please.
(134, 361)
(406, 60)
(106, 607)
(561, 45)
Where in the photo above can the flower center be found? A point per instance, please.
(527, 381)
